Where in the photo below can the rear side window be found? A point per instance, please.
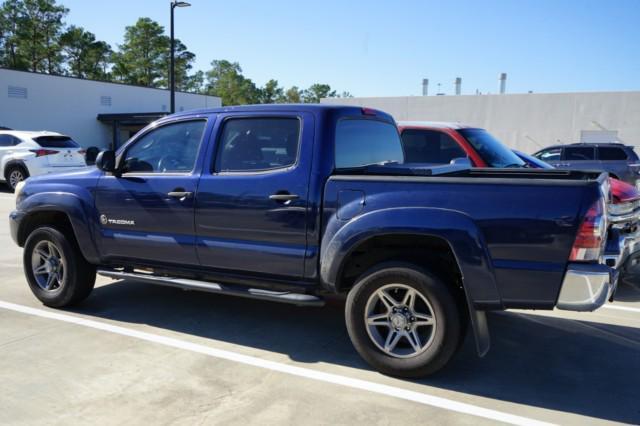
(429, 146)
(361, 142)
(254, 144)
(552, 154)
(56, 142)
(606, 153)
(575, 153)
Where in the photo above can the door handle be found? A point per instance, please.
(180, 194)
(283, 197)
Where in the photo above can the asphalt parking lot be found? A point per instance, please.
(133, 352)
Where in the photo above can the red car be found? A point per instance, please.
(441, 142)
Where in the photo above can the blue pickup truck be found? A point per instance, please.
(292, 203)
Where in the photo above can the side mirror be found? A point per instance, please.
(106, 161)
(90, 155)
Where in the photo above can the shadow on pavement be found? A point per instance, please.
(580, 367)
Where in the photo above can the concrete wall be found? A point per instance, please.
(524, 121)
(70, 105)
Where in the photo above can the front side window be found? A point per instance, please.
(552, 154)
(430, 146)
(606, 153)
(169, 149)
(361, 142)
(490, 149)
(255, 144)
(579, 153)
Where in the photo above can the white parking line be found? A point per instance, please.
(622, 308)
(336, 379)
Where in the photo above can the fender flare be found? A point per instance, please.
(78, 211)
(457, 229)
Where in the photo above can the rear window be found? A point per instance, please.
(492, 151)
(360, 142)
(610, 153)
(575, 153)
(56, 142)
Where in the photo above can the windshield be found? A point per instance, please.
(56, 142)
(492, 151)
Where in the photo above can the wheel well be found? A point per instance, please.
(54, 219)
(431, 253)
(13, 164)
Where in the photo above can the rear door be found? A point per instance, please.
(579, 157)
(146, 213)
(251, 206)
(614, 160)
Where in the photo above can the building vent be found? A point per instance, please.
(17, 92)
(105, 101)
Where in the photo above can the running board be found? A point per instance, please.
(299, 299)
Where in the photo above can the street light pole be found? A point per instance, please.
(172, 66)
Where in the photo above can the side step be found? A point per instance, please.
(299, 299)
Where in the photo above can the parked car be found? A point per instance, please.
(24, 154)
(290, 203)
(619, 160)
(441, 142)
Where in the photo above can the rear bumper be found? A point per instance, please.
(586, 287)
(620, 247)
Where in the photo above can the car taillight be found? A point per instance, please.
(591, 235)
(82, 151)
(43, 152)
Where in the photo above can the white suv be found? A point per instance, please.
(24, 154)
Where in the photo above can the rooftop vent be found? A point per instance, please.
(17, 92)
(105, 101)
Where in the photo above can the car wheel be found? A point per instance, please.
(15, 175)
(403, 320)
(56, 271)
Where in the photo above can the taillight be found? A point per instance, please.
(43, 152)
(82, 151)
(591, 234)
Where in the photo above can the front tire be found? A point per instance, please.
(403, 320)
(56, 271)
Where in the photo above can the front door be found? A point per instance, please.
(146, 213)
(251, 207)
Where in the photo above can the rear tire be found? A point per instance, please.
(394, 336)
(56, 271)
(14, 175)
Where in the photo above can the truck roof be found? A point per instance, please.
(453, 125)
(283, 108)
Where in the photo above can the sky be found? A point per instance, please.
(385, 48)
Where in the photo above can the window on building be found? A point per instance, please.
(253, 144)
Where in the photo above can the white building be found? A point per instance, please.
(94, 113)
(527, 122)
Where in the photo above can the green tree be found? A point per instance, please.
(29, 35)
(85, 56)
(11, 12)
(316, 92)
(271, 93)
(39, 27)
(141, 58)
(293, 95)
(225, 80)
